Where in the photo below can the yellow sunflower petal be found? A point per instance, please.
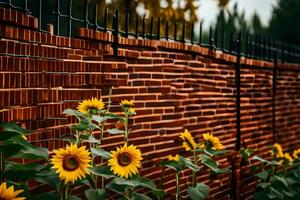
(125, 161)
(9, 193)
(71, 163)
(213, 141)
(188, 141)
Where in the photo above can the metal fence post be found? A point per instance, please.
(200, 34)
(40, 14)
(116, 32)
(86, 21)
(183, 32)
(137, 27)
(167, 30)
(70, 18)
(222, 37)
(58, 17)
(175, 30)
(126, 23)
(274, 81)
(151, 28)
(192, 33)
(158, 28)
(238, 94)
(143, 27)
(96, 16)
(211, 40)
(216, 36)
(105, 19)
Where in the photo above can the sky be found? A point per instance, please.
(208, 9)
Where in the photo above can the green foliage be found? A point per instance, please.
(212, 164)
(95, 194)
(200, 192)
(278, 178)
(180, 165)
(282, 23)
(14, 145)
(102, 171)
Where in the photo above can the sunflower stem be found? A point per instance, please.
(128, 193)
(162, 175)
(177, 186)
(66, 192)
(109, 98)
(126, 127)
(1, 163)
(194, 178)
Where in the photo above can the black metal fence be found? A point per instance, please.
(66, 22)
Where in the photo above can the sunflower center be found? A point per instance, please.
(189, 143)
(70, 162)
(124, 159)
(92, 109)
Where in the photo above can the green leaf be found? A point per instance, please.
(103, 171)
(89, 139)
(15, 171)
(97, 194)
(45, 196)
(189, 164)
(246, 153)
(115, 131)
(212, 152)
(273, 162)
(34, 153)
(73, 112)
(213, 165)
(72, 197)
(82, 127)
(160, 194)
(263, 185)
(101, 152)
(200, 192)
(260, 196)
(280, 179)
(11, 129)
(111, 116)
(274, 193)
(98, 118)
(47, 176)
(119, 189)
(138, 196)
(17, 147)
(136, 181)
(171, 164)
(263, 175)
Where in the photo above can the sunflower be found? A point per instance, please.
(188, 140)
(214, 142)
(9, 193)
(125, 161)
(71, 163)
(288, 157)
(126, 103)
(277, 151)
(90, 106)
(173, 158)
(131, 110)
(296, 153)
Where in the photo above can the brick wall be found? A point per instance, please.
(174, 86)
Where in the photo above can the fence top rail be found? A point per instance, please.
(66, 23)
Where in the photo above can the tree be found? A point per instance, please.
(256, 26)
(283, 23)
